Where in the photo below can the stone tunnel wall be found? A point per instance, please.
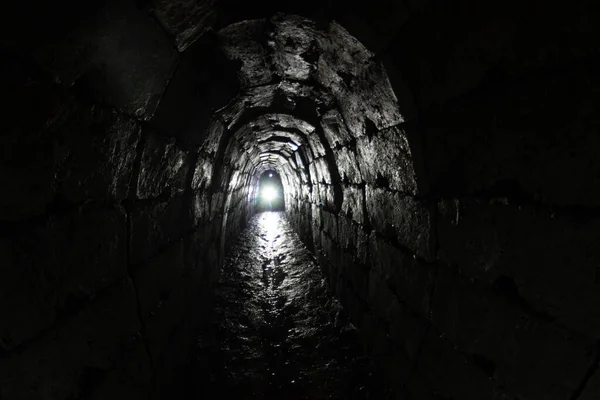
(481, 282)
(110, 223)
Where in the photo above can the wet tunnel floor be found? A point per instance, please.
(277, 331)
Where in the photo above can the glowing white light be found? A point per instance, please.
(270, 175)
(269, 193)
(271, 224)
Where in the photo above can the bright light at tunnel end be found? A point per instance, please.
(268, 193)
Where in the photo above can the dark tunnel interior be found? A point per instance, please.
(437, 212)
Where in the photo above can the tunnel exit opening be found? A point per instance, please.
(270, 192)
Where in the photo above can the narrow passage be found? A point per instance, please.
(277, 332)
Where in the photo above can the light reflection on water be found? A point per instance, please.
(280, 333)
(269, 223)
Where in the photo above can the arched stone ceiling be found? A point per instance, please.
(307, 89)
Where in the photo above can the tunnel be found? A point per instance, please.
(432, 232)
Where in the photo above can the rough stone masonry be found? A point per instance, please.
(439, 158)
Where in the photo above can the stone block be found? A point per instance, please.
(156, 224)
(316, 215)
(163, 167)
(355, 306)
(407, 331)
(203, 172)
(352, 204)
(377, 98)
(357, 277)
(130, 379)
(550, 258)
(197, 273)
(50, 269)
(347, 65)
(349, 105)
(313, 176)
(213, 137)
(241, 42)
(159, 278)
(161, 290)
(402, 219)
(508, 341)
(347, 164)
(335, 129)
(212, 254)
(123, 58)
(91, 248)
(316, 145)
(217, 203)
(470, 146)
(314, 195)
(409, 279)
(447, 62)
(361, 250)
(223, 171)
(331, 250)
(195, 92)
(185, 20)
(385, 159)
(330, 224)
(474, 234)
(320, 254)
(347, 233)
(382, 301)
(99, 149)
(335, 273)
(387, 352)
(374, 332)
(178, 354)
(58, 365)
(316, 236)
(321, 171)
(345, 265)
(331, 196)
(448, 373)
(328, 253)
(201, 211)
